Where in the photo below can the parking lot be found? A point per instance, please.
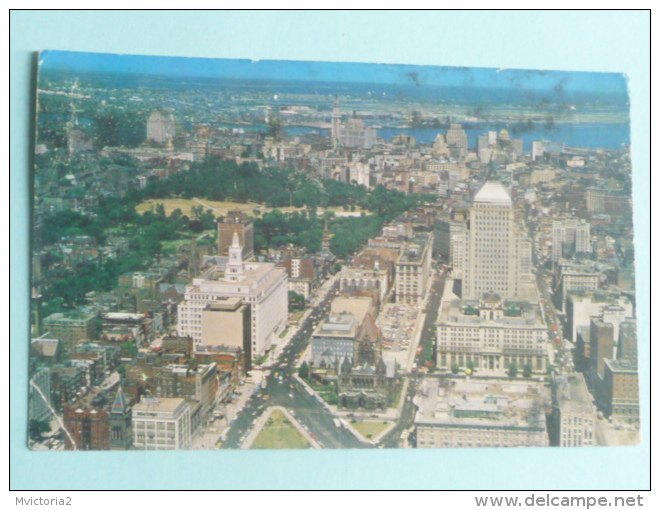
(397, 323)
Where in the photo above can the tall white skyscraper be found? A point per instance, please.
(160, 126)
(492, 249)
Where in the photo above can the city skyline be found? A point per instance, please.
(283, 70)
(291, 267)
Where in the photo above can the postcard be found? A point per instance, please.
(235, 254)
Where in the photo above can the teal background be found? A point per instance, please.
(582, 41)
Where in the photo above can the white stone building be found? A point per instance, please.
(492, 248)
(263, 286)
(491, 335)
(160, 126)
(162, 424)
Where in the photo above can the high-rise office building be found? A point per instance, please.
(569, 237)
(492, 246)
(413, 268)
(456, 136)
(160, 126)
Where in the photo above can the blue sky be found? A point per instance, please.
(569, 81)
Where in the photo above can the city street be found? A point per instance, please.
(282, 389)
(393, 437)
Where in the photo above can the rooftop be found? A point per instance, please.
(479, 404)
(572, 393)
(621, 365)
(493, 192)
(337, 325)
(162, 405)
(519, 315)
(255, 276)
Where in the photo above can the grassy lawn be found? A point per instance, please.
(170, 204)
(295, 316)
(172, 246)
(222, 208)
(370, 429)
(279, 434)
(316, 386)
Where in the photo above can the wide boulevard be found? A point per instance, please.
(284, 390)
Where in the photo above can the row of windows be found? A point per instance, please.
(154, 425)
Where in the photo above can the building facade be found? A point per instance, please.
(71, 328)
(262, 286)
(492, 245)
(570, 237)
(620, 396)
(228, 323)
(491, 335)
(335, 337)
(236, 222)
(576, 413)
(352, 133)
(98, 421)
(574, 278)
(413, 269)
(192, 382)
(160, 126)
(162, 424)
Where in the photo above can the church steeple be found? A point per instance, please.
(235, 266)
(120, 422)
(119, 405)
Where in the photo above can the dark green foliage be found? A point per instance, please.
(351, 233)
(129, 349)
(427, 351)
(115, 128)
(527, 370)
(303, 371)
(454, 368)
(513, 370)
(296, 301)
(144, 232)
(64, 224)
(331, 398)
(214, 179)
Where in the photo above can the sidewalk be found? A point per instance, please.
(212, 433)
